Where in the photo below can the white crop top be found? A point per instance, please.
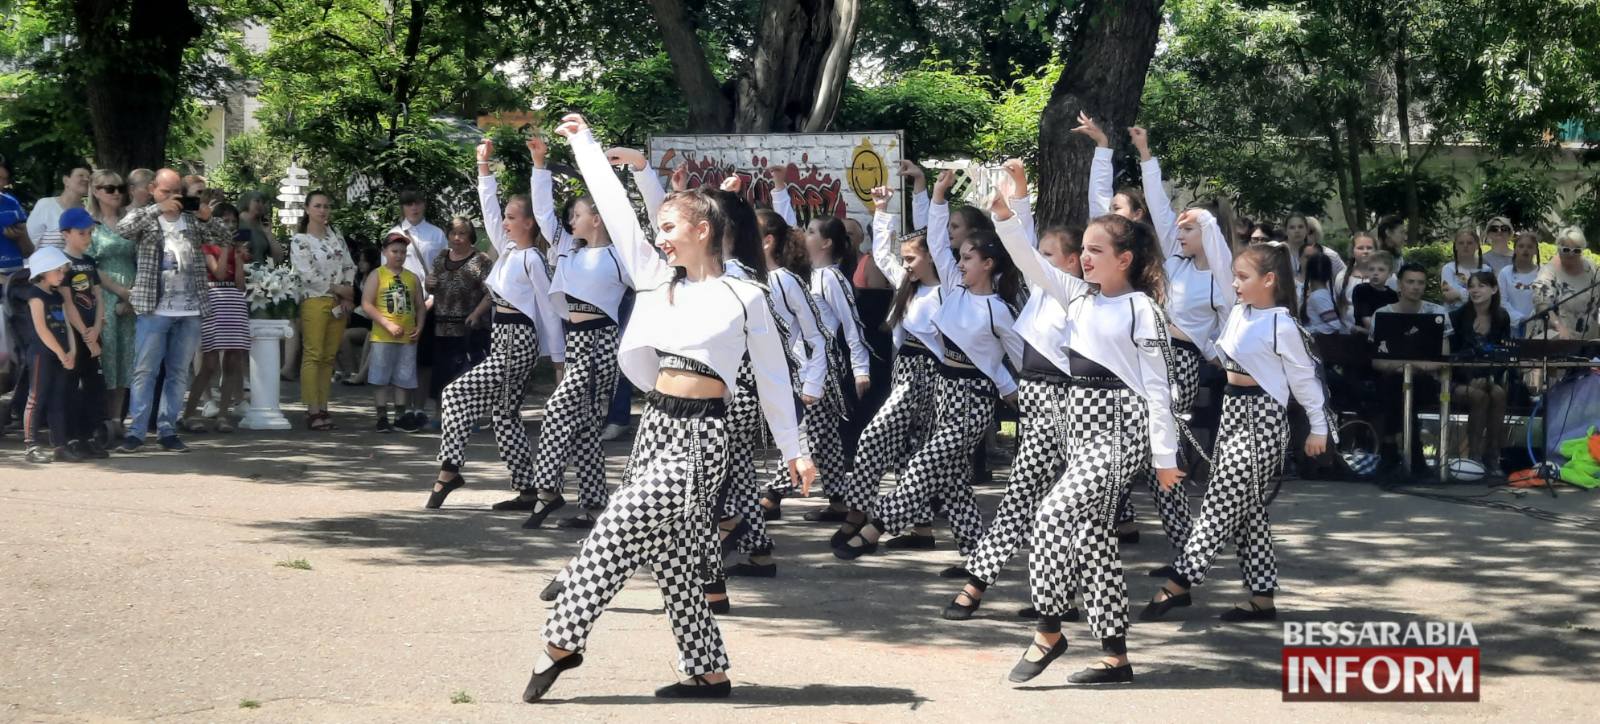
(518, 276)
(981, 325)
(794, 304)
(917, 320)
(1267, 345)
(1199, 300)
(1122, 334)
(715, 321)
(838, 307)
(588, 274)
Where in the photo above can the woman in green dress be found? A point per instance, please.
(115, 257)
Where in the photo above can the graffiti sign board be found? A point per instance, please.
(829, 173)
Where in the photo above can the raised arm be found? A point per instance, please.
(884, 255)
(1034, 267)
(782, 203)
(638, 257)
(1015, 190)
(1219, 256)
(489, 199)
(944, 261)
(1156, 200)
(1100, 171)
(541, 191)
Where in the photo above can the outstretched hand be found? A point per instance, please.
(1017, 174)
(1000, 207)
(780, 175)
(1087, 127)
(1141, 141)
(941, 187)
(732, 184)
(803, 472)
(680, 177)
(630, 157)
(1189, 216)
(572, 124)
(880, 197)
(485, 150)
(538, 149)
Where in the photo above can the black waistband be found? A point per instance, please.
(501, 316)
(686, 407)
(1186, 344)
(1099, 383)
(1233, 390)
(581, 307)
(953, 353)
(1083, 367)
(1039, 368)
(916, 349)
(961, 373)
(584, 326)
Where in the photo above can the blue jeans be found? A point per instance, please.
(158, 341)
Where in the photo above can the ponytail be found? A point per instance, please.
(1007, 279)
(1146, 273)
(1273, 258)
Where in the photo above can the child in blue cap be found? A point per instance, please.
(86, 388)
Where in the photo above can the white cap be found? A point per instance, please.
(47, 258)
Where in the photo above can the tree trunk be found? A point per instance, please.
(405, 80)
(1105, 66)
(796, 72)
(1352, 149)
(709, 108)
(131, 74)
(1402, 99)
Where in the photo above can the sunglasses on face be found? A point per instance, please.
(1499, 229)
(1571, 250)
(110, 189)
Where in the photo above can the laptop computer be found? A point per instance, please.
(1399, 336)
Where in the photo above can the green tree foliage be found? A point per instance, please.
(1383, 191)
(943, 112)
(1526, 195)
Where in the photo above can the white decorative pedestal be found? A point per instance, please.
(264, 412)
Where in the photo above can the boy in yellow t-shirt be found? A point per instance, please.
(392, 298)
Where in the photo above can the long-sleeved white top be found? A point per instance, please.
(1043, 321)
(1516, 292)
(1122, 334)
(838, 307)
(518, 275)
(917, 320)
(982, 326)
(715, 321)
(588, 274)
(1267, 345)
(794, 304)
(1198, 300)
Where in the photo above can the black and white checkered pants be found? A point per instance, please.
(1107, 444)
(496, 385)
(1041, 459)
(659, 517)
(943, 466)
(747, 432)
(1250, 446)
(899, 429)
(1172, 505)
(572, 417)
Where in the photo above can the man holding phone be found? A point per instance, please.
(169, 297)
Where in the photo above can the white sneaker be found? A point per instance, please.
(613, 432)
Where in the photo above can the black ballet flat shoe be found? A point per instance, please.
(910, 541)
(1239, 614)
(540, 684)
(826, 515)
(1104, 675)
(436, 498)
(517, 503)
(1026, 670)
(721, 608)
(701, 689)
(955, 572)
(847, 552)
(845, 532)
(1032, 614)
(577, 522)
(1154, 610)
(956, 611)
(542, 510)
(1129, 538)
(751, 569)
(1163, 572)
(552, 590)
(775, 510)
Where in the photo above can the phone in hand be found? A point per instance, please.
(191, 204)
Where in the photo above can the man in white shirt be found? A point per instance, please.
(1413, 281)
(427, 241)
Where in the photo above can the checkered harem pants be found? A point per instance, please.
(573, 414)
(1172, 505)
(659, 517)
(943, 466)
(1107, 445)
(747, 432)
(1250, 450)
(899, 429)
(1041, 459)
(496, 385)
